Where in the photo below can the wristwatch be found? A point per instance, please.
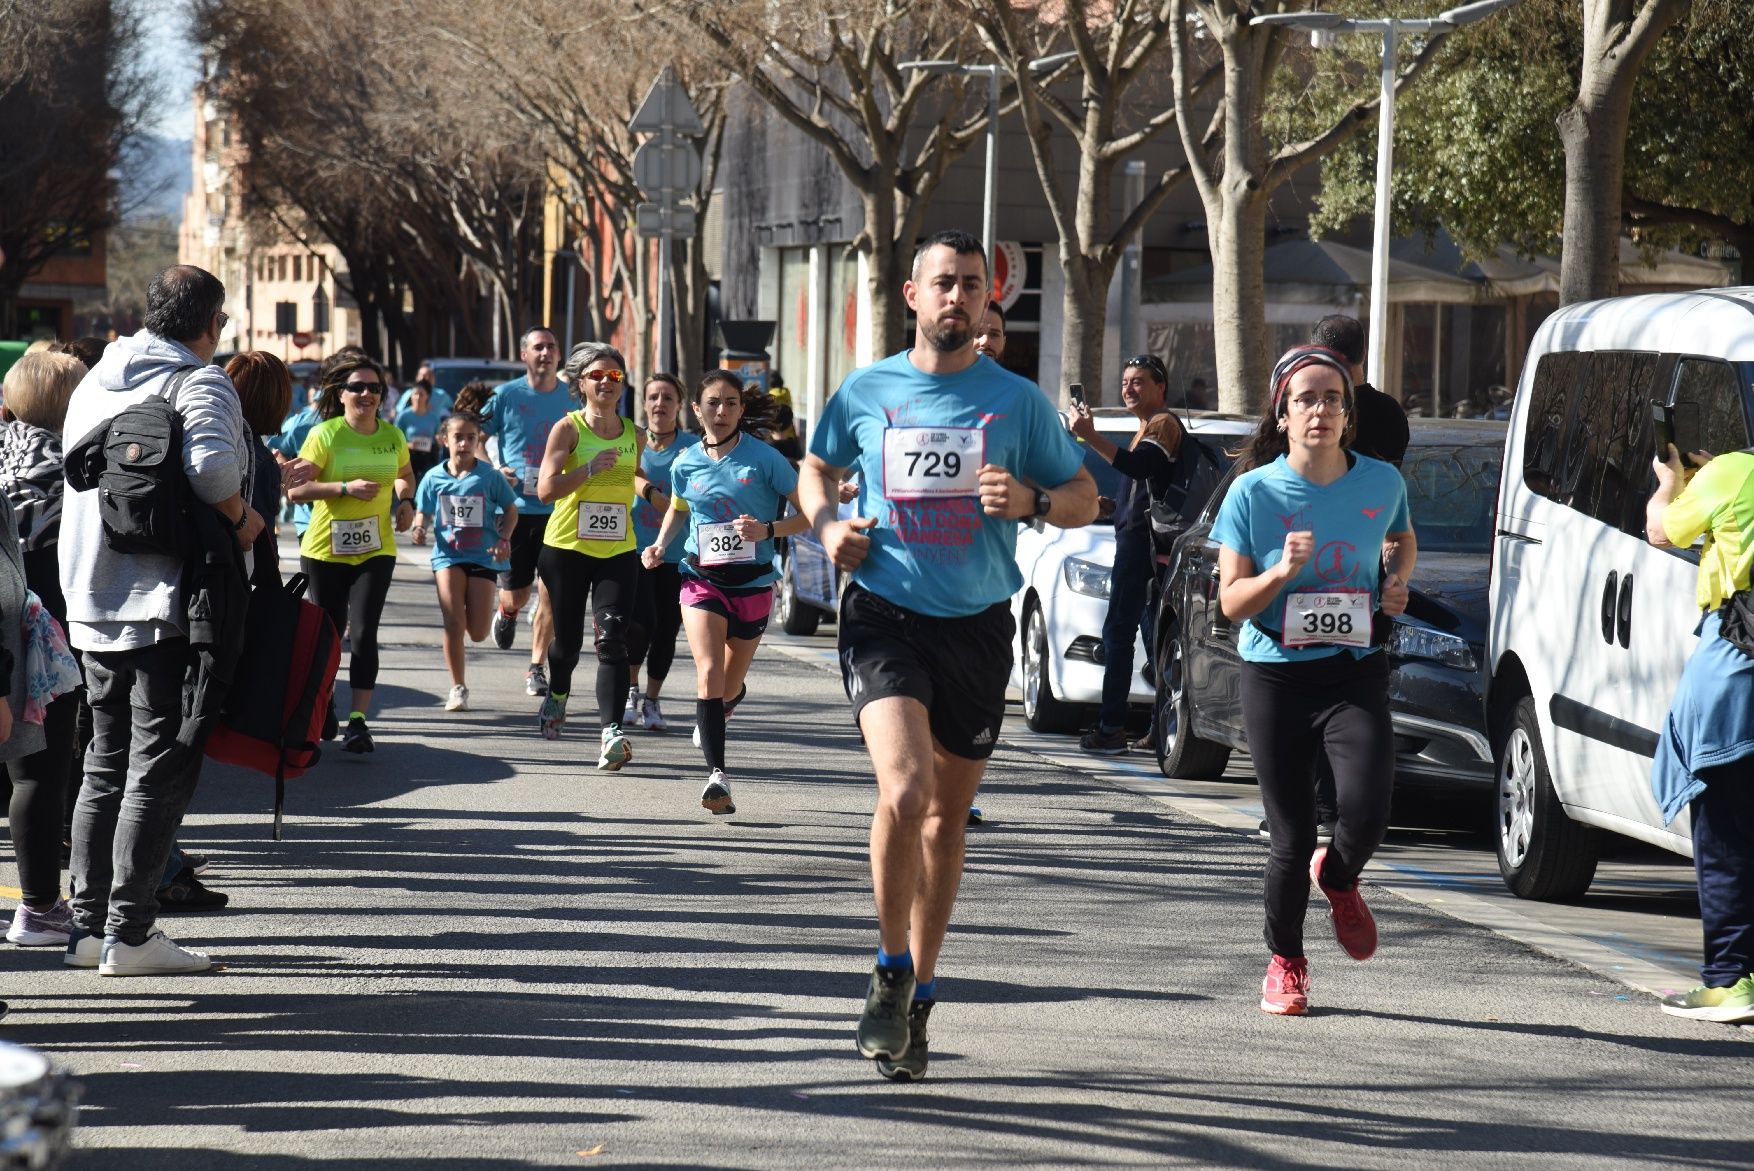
(1043, 502)
(770, 530)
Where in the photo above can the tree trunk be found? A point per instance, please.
(1617, 41)
(889, 261)
(1238, 238)
(1084, 316)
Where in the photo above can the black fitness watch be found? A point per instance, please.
(1043, 502)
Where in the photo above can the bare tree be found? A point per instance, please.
(832, 71)
(1618, 36)
(1236, 171)
(1118, 51)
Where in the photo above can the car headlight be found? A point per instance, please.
(1421, 642)
(1086, 577)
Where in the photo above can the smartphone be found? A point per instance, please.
(1662, 423)
(1075, 392)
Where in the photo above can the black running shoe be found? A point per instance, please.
(185, 892)
(505, 629)
(358, 738)
(331, 726)
(883, 1030)
(910, 1067)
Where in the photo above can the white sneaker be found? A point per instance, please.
(83, 951)
(158, 956)
(616, 750)
(634, 716)
(717, 794)
(458, 700)
(651, 716)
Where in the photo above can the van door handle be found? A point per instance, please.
(1625, 615)
(1609, 594)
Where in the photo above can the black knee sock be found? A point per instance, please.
(710, 715)
(611, 692)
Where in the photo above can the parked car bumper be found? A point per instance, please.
(1431, 742)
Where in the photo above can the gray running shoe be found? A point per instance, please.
(912, 1066)
(536, 680)
(883, 1030)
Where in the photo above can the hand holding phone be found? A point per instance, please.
(1075, 392)
(1662, 421)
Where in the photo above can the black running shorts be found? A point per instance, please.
(956, 667)
(526, 547)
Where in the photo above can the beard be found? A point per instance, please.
(947, 334)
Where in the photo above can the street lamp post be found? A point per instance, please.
(1324, 25)
(990, 201)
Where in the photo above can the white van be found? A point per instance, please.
(1591, 625)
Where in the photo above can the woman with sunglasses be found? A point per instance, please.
(347, 551)
(733, 492)
(1304, 534)
(1145, 465)
(590, 474)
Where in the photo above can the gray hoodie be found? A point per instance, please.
(126, 601)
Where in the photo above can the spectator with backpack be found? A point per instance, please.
(125, 550)
(1147, 466)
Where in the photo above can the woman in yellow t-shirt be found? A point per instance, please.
(348, 552)
(590, 473)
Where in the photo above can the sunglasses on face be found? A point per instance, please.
(605, 375)
(362, 387)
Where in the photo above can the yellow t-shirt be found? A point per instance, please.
(346, 529)
(1719, 503)
(596, 518)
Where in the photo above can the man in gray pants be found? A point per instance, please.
(125, 613)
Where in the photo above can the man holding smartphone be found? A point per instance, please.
(1146, 464)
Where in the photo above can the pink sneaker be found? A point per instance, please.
(1354, 926)
(1285, 991)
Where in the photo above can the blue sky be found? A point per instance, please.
(172, 57)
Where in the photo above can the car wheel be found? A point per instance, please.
(1542, 853)
(794, 617)
(1180, 753)
(1041, 710)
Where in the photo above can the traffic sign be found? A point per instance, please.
(301, 339)
(667, 108)
(656, 219)
(667, 166)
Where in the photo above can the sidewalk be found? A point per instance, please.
(474, 951)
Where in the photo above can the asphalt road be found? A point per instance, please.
(474, 951)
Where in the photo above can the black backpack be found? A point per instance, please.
(134, 461)
(1193, 476)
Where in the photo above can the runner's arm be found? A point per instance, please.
(818, 492)
(554, 482)
(1070, 505)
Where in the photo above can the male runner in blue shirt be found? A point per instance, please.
(951, 453)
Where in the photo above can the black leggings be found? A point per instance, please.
(604, 586)
(657, 619)
(353, 598)
(1295, 712)
(39, 785)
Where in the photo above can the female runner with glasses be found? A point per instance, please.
(1304, 535)
(590, 474)
(347, 550)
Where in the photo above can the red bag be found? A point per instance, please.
(273, 718)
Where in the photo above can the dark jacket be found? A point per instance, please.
(218, 602)
(1382, 425)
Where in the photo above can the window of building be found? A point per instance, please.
(298, 265)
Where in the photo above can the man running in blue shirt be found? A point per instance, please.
(951, 453)
(520, 414)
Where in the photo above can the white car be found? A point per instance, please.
(1057, 663)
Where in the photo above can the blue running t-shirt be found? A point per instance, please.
(655, 466)
(918, 441)
(465, 512)
(751, 479)
(1349, 518)
(521, 417)
(289, 442)
(421, 430)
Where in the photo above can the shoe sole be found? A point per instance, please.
(608, 763)
(897, 1073)
(114, 970)
(73, 961)
(38, 939)
(875, 1054)
(456, 707)
(357, 748)
(1719, 1015)
(1284, 1009)
(718, 806)
(1107, 751)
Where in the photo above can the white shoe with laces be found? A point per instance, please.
(158, 956)
(651, 717)
(458, 700)
(634, 715)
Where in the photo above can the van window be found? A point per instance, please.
(1586, 442)
(1708, 406)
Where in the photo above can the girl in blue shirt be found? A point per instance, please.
(1315, 541)
(732, 489)
(470, 511)
(420, 421)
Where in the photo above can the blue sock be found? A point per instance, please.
(927, 991)
(904, 961)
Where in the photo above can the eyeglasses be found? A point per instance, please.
(1334, 403)
(1152, 363)
(363, 388)
(602, 375)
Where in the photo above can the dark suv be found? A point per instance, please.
(1437, 686)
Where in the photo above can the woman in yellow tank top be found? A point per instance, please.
(590, 473)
